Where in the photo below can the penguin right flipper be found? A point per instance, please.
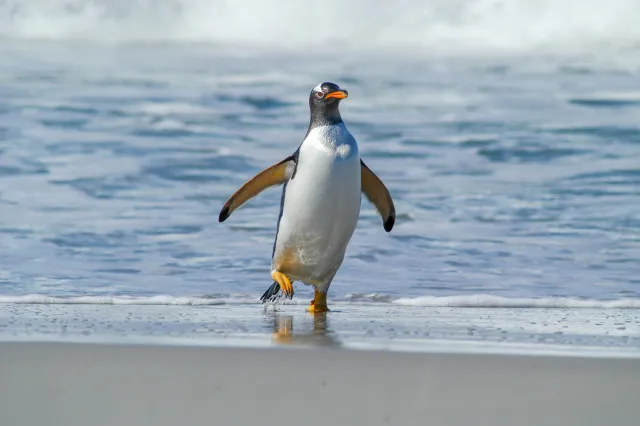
(379, 196)
(275, 175)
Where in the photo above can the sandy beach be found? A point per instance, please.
(90, 384)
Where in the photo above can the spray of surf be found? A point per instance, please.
(434, 25)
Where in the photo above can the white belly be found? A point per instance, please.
(320, 211)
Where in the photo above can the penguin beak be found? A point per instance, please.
(338, 94)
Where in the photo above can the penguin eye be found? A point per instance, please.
(319, 94)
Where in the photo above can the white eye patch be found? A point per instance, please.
(318, 88)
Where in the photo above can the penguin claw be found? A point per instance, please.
(281, 287)
(284, 283)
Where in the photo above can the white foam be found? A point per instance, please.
(466, 301)
(490, 301)
(442, 25)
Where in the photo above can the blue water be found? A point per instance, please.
(513, 176)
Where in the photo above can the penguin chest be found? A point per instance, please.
(320, 210)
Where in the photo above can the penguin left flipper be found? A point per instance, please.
(275, 175)
(379, 196)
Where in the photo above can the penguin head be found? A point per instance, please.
(324, 100)
(326, 95)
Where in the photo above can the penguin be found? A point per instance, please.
(320, 203)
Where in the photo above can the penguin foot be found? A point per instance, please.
(285, 283)
(319, 303)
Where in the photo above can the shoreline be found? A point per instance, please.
(312, 342)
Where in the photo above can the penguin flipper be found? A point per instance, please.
(275, 175)
(379, 196)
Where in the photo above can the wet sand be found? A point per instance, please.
(96, 384)
(377, 326)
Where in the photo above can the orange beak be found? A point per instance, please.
(339, 94)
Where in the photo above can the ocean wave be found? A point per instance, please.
(438, 25)
(466, 301)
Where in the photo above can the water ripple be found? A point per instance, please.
(519, 183)
(525, 155)
(203, 169)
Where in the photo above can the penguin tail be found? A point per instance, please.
(271, 294)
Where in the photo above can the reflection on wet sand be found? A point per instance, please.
(312, 330)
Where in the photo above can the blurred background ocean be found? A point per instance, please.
(507, 131)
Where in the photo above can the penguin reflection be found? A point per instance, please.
(320, 335)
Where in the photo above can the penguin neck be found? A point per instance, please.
(327, 116)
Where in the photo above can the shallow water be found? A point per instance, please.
(513, 178)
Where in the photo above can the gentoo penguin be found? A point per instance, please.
(320, 202)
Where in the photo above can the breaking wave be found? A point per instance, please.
(435, 25)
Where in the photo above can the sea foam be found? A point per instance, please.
(433, 25)
(490, 301)
(462, 301)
